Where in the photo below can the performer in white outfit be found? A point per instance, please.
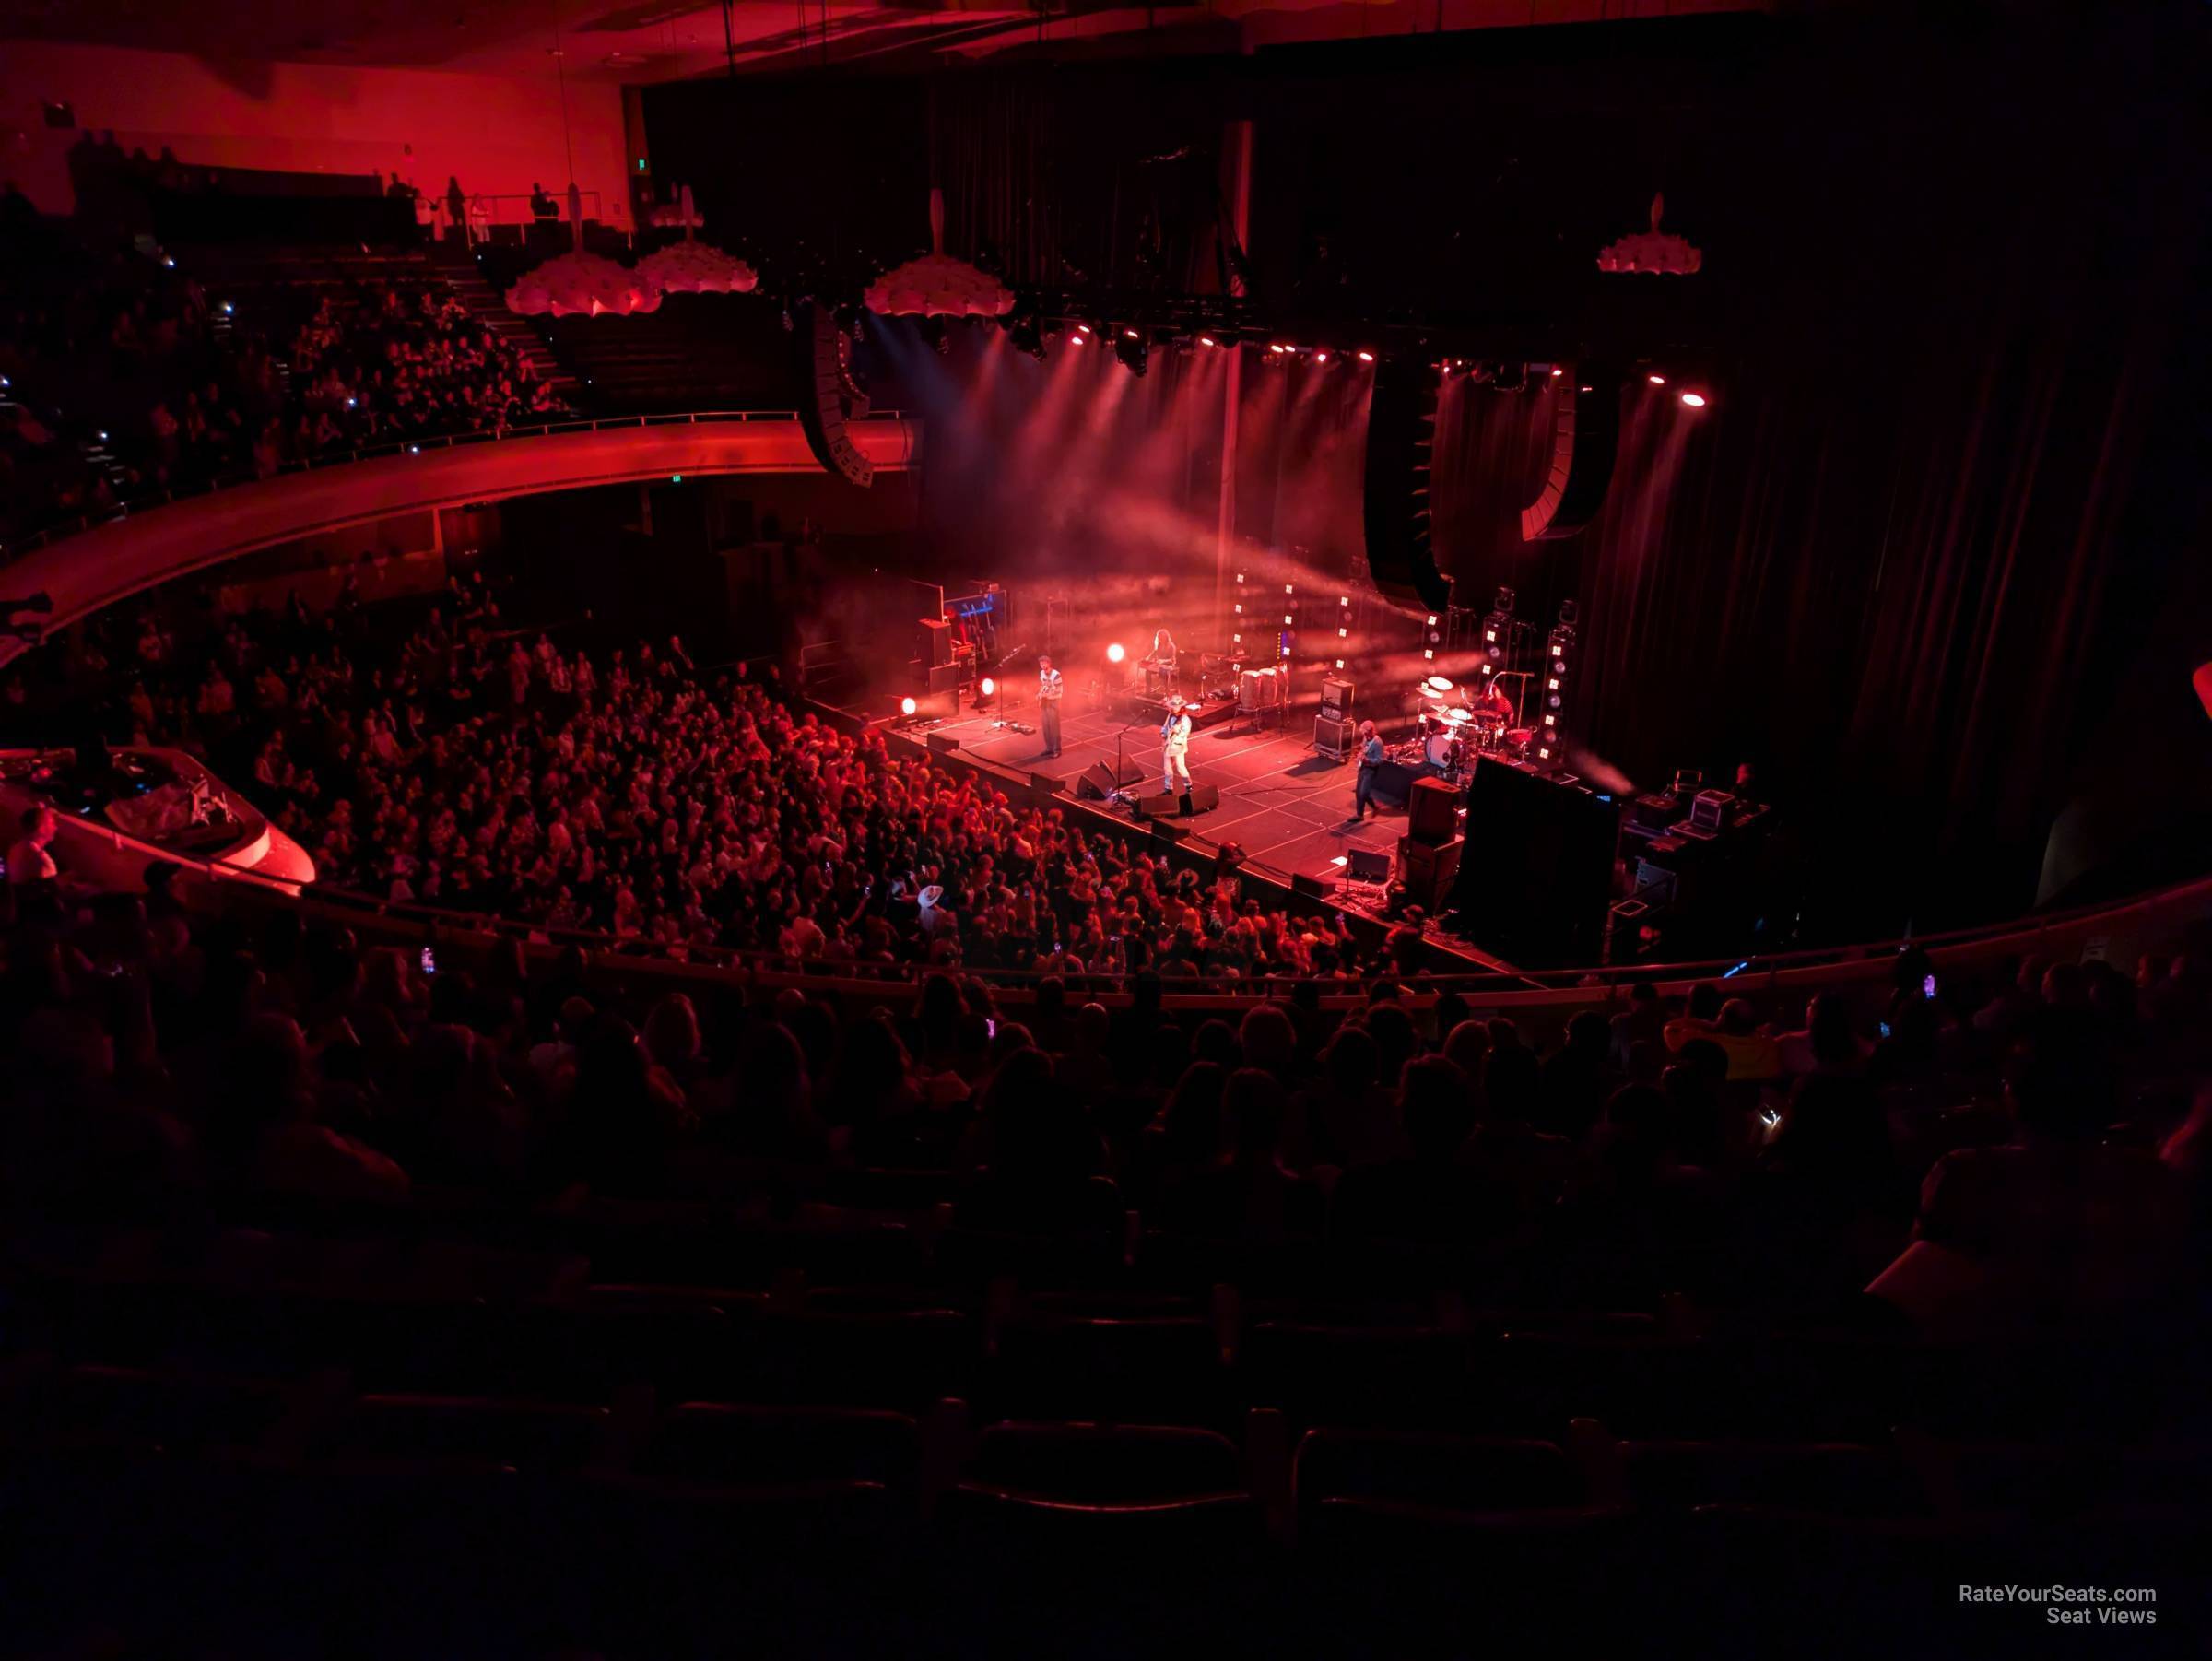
(1174, 746)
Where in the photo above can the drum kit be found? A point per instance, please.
(1451, 734)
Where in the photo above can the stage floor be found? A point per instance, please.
(1287, 806)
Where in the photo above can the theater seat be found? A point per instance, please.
(733, 1445)
(1844, 1479)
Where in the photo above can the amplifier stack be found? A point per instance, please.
(1429, 854)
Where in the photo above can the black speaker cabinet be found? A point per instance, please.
(1205, 799)
(1099, 781)
(1431, 811)
(1366, 865)
(1429, 869)
(1537, 895)
(1337, 698)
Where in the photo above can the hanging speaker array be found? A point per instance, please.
(828, 394)
(1401, 444)
(1585, 433)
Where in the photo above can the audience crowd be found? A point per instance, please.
(481, 768)
(123, 377)
(474, 768)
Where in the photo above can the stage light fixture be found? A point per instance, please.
(1080, 338)
(1344, 600)
(1027, 334)
(1082, 328)
(1656, 380)
(988, 686)
(907, 706)
(1206, 340)
(1131, 335)
(1696, 400)
(1556, 373)
(1321, 357)
(1367, 357)
(1116, 652)
(1134, 351)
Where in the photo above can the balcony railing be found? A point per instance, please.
(339, 456)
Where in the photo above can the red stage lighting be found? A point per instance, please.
(1556, 374)
(1129, 334)
(906, 706)
(989, 686)
(1082, 328)
(1367, 357)
(1116, 652)
(1080, 338)
(1206, 340)
(1696, 400)
(1321, 357)
(1656, 380)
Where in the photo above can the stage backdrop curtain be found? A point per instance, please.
(1911, 559)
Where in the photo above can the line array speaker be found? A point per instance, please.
(1584, 435)
(1401, 440)
(828, 395)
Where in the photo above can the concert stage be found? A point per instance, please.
(1288, 808)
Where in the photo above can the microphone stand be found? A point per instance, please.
(1117, 794)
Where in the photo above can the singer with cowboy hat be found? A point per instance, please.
(1174, 747)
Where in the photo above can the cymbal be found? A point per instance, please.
(1455, 717)
(1437, 685)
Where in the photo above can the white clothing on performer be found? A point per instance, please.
(1174, 744)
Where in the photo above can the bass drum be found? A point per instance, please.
(1443, 750)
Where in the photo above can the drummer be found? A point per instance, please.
(1491, 704)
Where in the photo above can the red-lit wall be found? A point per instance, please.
(496, 134)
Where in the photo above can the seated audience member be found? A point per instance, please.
(1826, 1044)
(1644, 1021)
(1752, 1054)
(1351, 1118)
(1248, 1193)
(1578, 1079)
(2055, 1226)
(1427, 1195)
(1700, 1019)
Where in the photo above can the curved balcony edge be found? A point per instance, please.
(86, 573)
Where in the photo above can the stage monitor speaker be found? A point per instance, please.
(942, 743)
(1100, 780)
(829, 396)
(1401, 438)
(1043, 783)
(1367, 865)
(1167, 833)
(1312, 887)
(1337, 698)
(1584, 435)
(945, 677)
(1334, 740)
(1431, 811)
(1547, 873)
(1205, 799)
(1428, 870)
